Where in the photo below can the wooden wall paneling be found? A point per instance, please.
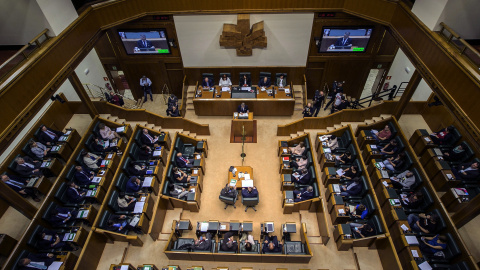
(92, 251)
(388, 45)
(104, 47)
(353, 71)
(3, 206)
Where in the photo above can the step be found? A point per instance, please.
(369, 122)
(104, 115)
(190, 95)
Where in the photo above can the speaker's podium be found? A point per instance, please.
(243, 124)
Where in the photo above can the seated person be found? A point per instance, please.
(49, 137)
(245, 81)
(126, 203)
(83, 176)
(173, 111)
(404, 180)
(382, 135)
(412, 200)
(247, 243)
(107, 134)
(53, 240)
(36, 261)
(136, 169)
(249, 192)
(264, 82)
(390, 149)
(343, 104)
(304, 194)
(60, 216)
(281, 81)
(392, 163)
(207, 82)
(133, 185)
(183, 162)
(118, 224)
(92, 161)
(456, 153)
(115, 99)
(467, 171)
(26, 167)
(362, 230)
(332, 142)
(145, 152)
(303, 177)
(74, 193)
(20, 186)
(271, 245)
(350, 173)
(39, 150)
(299, 163)
(354, 188)
(359, 212)
(180, 176)
(242, 108)
(343, 159)
(308, 110)
(297, 150)
(177, 191)
(228, 191)
(431, 245)
(203, 243)
(229, 244)
(172, 100)
(225, 81)
(101, 146)
(443, 136)
(148, 139)
(423, 223)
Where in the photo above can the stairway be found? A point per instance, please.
(298, 95)
(190, 96)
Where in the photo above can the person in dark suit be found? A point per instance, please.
(136, 169)
(26, 166)
(228, 191)
(49, 136)
(318, 100)
(36, 261)
(83, 176)
(456, 153)
(61, 216)
(207, 82)
(308, 110)
(183, 162)
(173, 111)
(148, 139)
(354, 188)
(172, 100)
(302, 178)
(467, 171)
(304, 194)
(144, 43)
(265, 82)
(145, 152)
(74, 193)
(245, 81)
(52, 240)
(242, 108)
(344, 41)
(271, 245)
(203, 243)
(20, 186)
(133, 185)
(118, 224)
(228, 243)
(250, 192)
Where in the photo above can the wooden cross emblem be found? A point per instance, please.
(241, 37)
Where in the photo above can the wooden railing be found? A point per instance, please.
(183, 103)
(304, 89)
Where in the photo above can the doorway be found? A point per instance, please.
(120, 83)
(372, 84)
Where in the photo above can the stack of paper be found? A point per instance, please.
(109, 156)
(120, 129)
(157, 153)
(411, 240)
(340, 172)
(204, 226)
(147, 182)
(55, 266)
(138, 207)
(96, 179)
(247, 183)
(336, 188)
(68, 132)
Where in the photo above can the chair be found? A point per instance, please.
(265, 74)
(88, 145)
(96, 130)
(344, 141)
(126, 164)
(229, 200)
(48, 212)
(451, 251)
(307, 144)
(368, 202)
(250, 202)
(454, 140)
(364, 191)
(209, 75)
(313, 178)
(27, 150)
(23, 254)
(219, 250)
(226, 73)
(134, 153)
(171, 177)
(468, 155)
(249, 76)
(277, 75)
(32, 239)
(187, 149)
(376, 224)
(113, 204)
(294, 248)
(61, 196)
(138, 136)
(472, 182)
(406, 165)
(180, 242)
(104, 218)
(463, 265)
(418, 180)
(441, 224)
(427, 202)
(13, 164)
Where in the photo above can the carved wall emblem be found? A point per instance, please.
(241, 37)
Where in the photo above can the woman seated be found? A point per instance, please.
(92, 161)
(443, 136)
(136, 169)
(40, 150)
(126, 203)
(362, 230)
(394, 163)
(412, 200)
(432, 245)
(350, 173)
(180, 176)
(382, 135)
(343, 159)
(300, 163)
(454, 154)
(177, 191)
(297, 150)
(102, 147)
(390, 149)
(359, 212)
(52, 240)
(115, 99)
(107, 133)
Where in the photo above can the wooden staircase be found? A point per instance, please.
(298, 95)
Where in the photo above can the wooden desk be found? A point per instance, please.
(243, 169)
(105, 179)
(394, 215)
(90, 217)
(97, 195)
(342, 234)
(397, 232)
(147, 267)
(406, 255)
(422, 145)
(7, 243)
(428, 155)
(322, 159)
(80, 236)
(72, 138)
(42, 184)
(371, 151)
(441, 175)
(330, 190)
(193, 199)
(112, 159)
(160, 155)
(416, 136)
(283, 151)
(329, 176)
(196, 173)
(204, 93)
(52, 165)
(364, 139)
(118, 266)
(199, 162)
(62, 150)
(336, 208)
(147, 206)
(377, 177)
(151, 182)
(239, 125)
(285, 168)
(69, 260)
(287, 183)
(454, 202)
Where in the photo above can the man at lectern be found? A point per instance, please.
(242, 108)
(344, 41)
(144, 43)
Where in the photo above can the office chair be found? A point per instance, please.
(229, 200)
(250, 202)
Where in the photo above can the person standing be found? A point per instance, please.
(146, 85)
(318, 100)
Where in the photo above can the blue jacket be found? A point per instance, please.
(132, 187)
(246, 194)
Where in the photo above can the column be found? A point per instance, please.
(77, 85)
(407, 95)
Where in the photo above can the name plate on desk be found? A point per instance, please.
(336, 188)
(45, 164)
(82, 213)
(63, 138)
(69, 237)
(120, 129)
(56, 148)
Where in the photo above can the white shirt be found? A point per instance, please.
(145, 82)
(225, 83)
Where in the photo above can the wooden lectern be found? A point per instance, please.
(238, 125)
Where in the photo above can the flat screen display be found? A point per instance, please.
(145, 41)
(344, 39)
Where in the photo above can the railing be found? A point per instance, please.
(183, 103)
(100, 93)
(466, 50)
(18, 58)
(304, 86)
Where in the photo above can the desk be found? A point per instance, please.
(71, 138)
(421, 141)
(147, 267)
(199, 162)
(112, 159)
(394, 215)
(151, 182)
(285, 167)
(52, 165)
(211, 226)
(80, 236)
(377, 176)
(430, 155)
(105, 177)
(239, 125)
(240, 169)
(69, 260)
(323, 160)
(7, 243)
(364, 139)
(62, 150)
(42, 184)
(287, 229)
(97, 195)
(397, 232)
(283, 151)
(247, 226)
(342, 234)
(371, 151)
(265, 227)
(147, 206)
(90, 216)
(416, 136)
(452, 201)
(336, 208)
(287, 183)
(183, 225)
(332, 189)
(441, 175)
(160, 155)
(119, 266)
(193, 199)
(329, 176)
(196, 174)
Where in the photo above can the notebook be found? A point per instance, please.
(134, 221)
(411, 240)
(147, 181)
(138, 207)
(269, 226)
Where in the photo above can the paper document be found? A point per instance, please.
(223, 227)
(340, 172)
(327, 150)
(246, 176)
(323, 138)
(199, 156)
(109, 156)
(247, 183)
(45, 164)
(233, 182)
(134, 221)
(91, 193)
(427, 139)
(138, 207)
(120, 129)
(124, 267)
(225, 89)
(147, 182)
(449, 176)
(55, 266)
(96, 179)
(285, 151)
(424, 266)
(204, 226)
(336, 188)
(106, 143)
(142, 199)
(415, 253)
(411, 240)
(63, 138)
(384, 174)
(373, 146)
(195, 171)
(157, 153)
(404, 227)
(287, 91)
(245, 88)
(68, 132)
(341, 211)
(461, 191)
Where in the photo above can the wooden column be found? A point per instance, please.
(407, 95)
(77, 85)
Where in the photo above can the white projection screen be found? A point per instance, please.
(288, 37)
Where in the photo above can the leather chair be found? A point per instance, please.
(180, 242)
(265, 74)
(424, 206)
(454, 140)
(441, 224)
(112, 203)
(313, 178)
(368, 202)
(400, 147)
(451, 251)
(96, 129)
(356, 162)
(51, 207)
(376, 224)
(249, 76)
(277, 76)
(307, 144)
(104, 218)
(61, 196)
(121, 184)
(79, 159)
(229, 200)
(294, 248)
(364, 191)
(70, 176)
(472, 182)
(138, 136)
(134, 153)
(186, 149)
(229, 75)
(250, 202)
(463, 265)
(209, 75)
(126, 164)
(13, 164)
(27, 151)
(23, 254)
(465, 157)
(405, 166)
(33, 239)
(212, 248)
(418, 181)
(344, 142)
(171, 177)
